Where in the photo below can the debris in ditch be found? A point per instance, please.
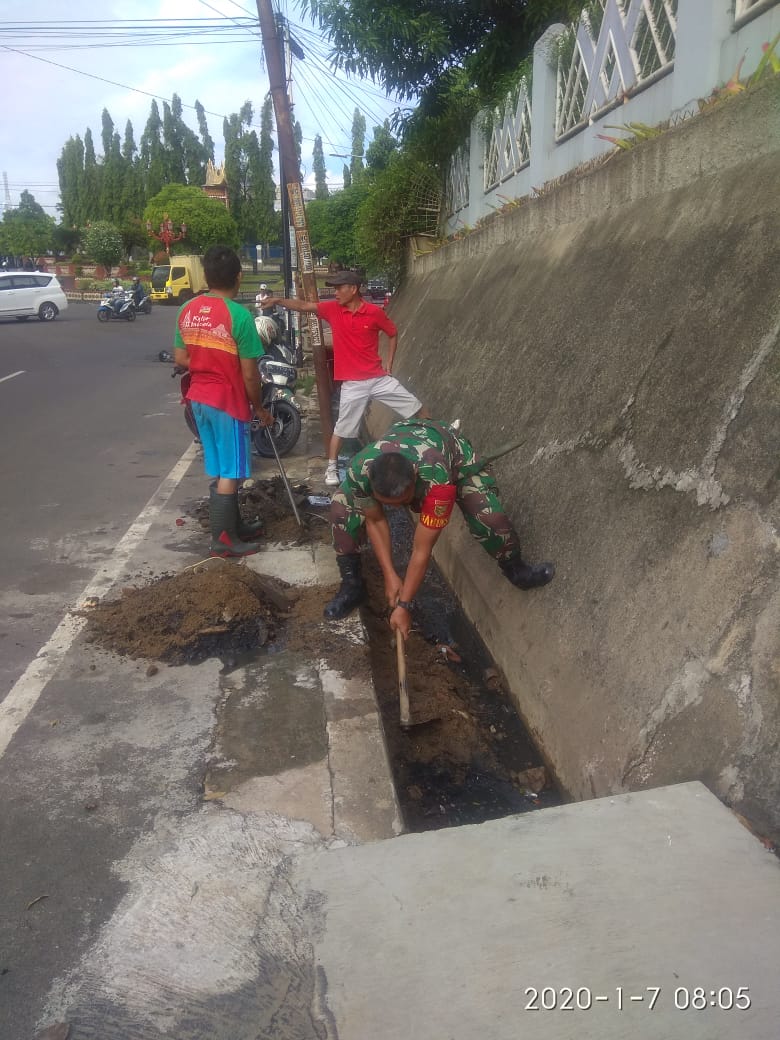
(534, 780)
(217, 609)
(449, 652)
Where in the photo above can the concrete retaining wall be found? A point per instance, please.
(628, 324)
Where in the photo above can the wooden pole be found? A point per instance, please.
(292, 188)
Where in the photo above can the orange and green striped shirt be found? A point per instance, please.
(217, 333)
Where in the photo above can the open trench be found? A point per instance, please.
(474, 760)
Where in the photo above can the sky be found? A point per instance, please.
(45, 103)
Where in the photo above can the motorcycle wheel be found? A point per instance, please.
(103, 315)
(130, 314)
(146, 306)
(286, 431)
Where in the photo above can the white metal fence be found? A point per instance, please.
(651, 59)
(616, 46)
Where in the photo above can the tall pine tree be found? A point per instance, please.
(320, 170)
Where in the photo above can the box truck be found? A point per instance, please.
(179, 280)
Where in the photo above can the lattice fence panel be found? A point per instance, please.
(456, 189)
(509, 148)
(616, 46)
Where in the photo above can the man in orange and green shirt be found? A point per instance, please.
(216, 340)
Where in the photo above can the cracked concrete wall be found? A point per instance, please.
(627, 324)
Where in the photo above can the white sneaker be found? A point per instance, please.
(332, 475)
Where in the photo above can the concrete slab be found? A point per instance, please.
(606, 919)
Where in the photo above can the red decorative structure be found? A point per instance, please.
(166, 234)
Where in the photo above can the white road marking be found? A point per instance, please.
(25, 692)
(13, 375)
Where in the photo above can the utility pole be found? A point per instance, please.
(291, 185)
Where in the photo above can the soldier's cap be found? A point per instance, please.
(345, 278)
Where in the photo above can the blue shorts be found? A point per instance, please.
(227, 448)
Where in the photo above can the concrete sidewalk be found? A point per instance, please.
(288, 905)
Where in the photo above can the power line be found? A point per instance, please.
(112, 82)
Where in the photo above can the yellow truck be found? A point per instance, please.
(179, 280)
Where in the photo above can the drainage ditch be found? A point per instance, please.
(474, 761)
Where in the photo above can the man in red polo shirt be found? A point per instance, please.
(357, 365)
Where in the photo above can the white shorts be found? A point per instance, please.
(356, 394)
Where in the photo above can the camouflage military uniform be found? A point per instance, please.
(444, 462)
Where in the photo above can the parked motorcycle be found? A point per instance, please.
(111, 308)
(277, 376)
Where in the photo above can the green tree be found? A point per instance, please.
(132, 181)
(249, 175)
(112, 178)
(320, 170)
(203, 127)
(269, 229)
(332, 223)
(91, 194)
(107, 131)
(208, 222)
(383, 146)
(409, 48)
(400, 201)
(103, 244)
(26, 230)
(152, 160)
(358, 145)
(70, 173)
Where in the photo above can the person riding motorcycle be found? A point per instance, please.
(137, 291)
(118, 295)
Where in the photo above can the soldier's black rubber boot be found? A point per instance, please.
(352, 591)
(245, 529)
(527, 575)
(223, 518)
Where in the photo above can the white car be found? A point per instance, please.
(23, 294)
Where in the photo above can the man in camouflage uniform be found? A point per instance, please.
(426, 465)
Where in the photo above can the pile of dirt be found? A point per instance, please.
(216, 609)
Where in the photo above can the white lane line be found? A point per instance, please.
(13, 375)
(27, 689)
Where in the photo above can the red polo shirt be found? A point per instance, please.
(356, 338)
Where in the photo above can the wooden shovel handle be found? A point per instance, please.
(403, 691)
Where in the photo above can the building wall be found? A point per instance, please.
(627, 325)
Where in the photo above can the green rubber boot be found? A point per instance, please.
(247, 531)
(223, 518)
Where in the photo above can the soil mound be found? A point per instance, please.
(217, 609)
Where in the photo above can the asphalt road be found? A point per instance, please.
(90, 426)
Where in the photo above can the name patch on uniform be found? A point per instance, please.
(437, 506)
